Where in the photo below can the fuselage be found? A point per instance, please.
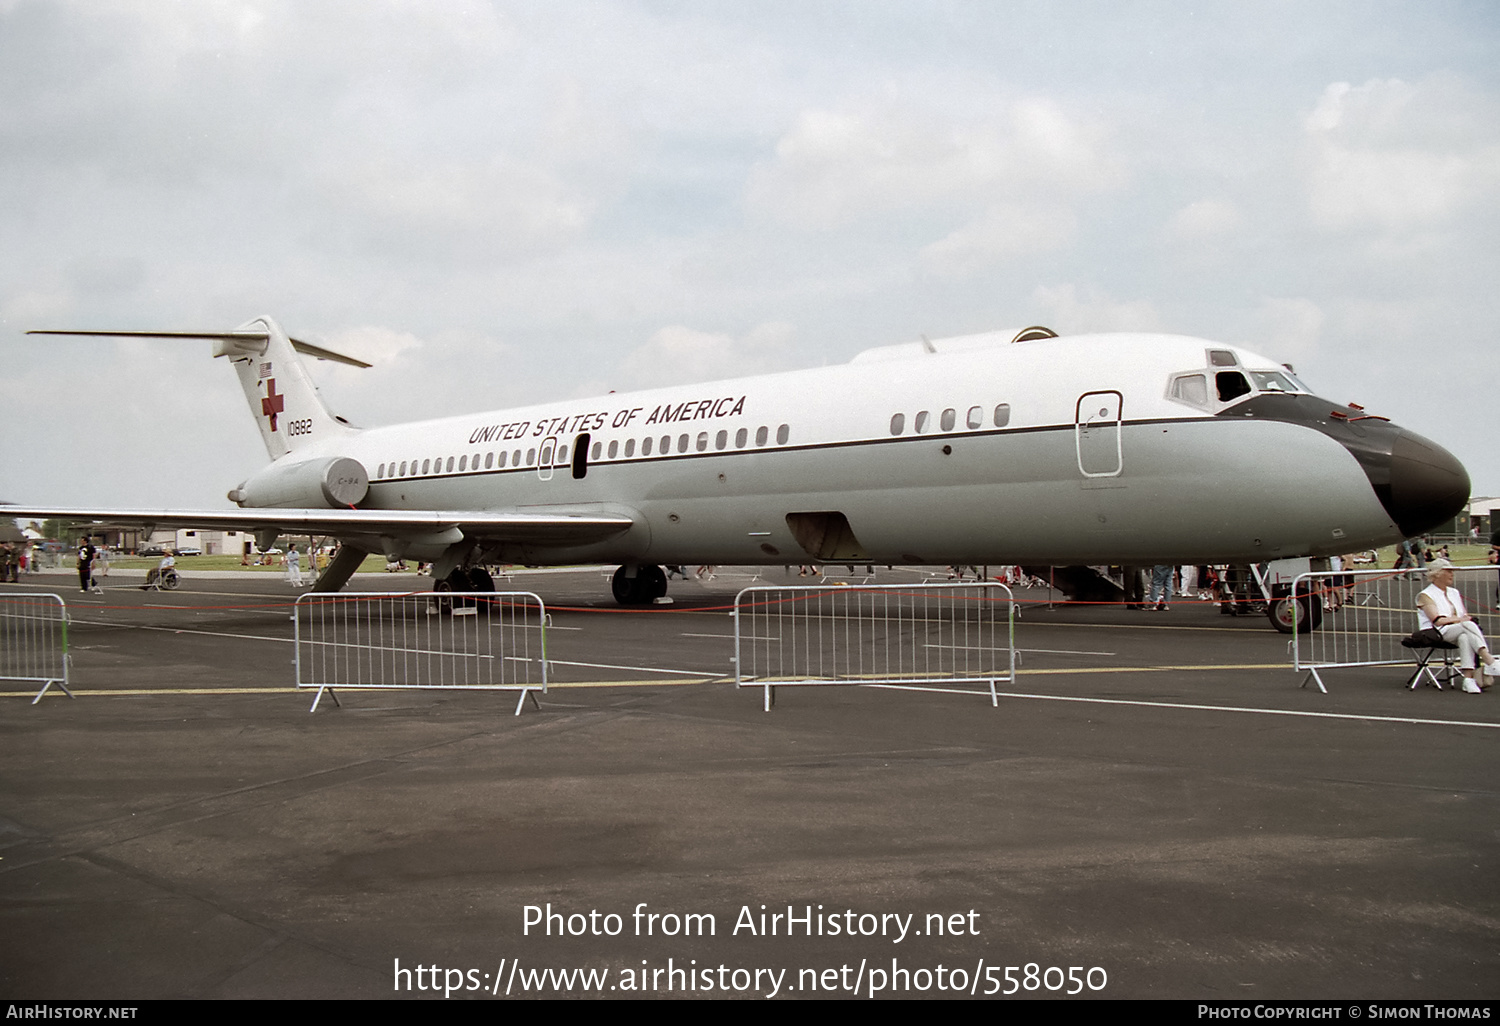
(1133, 448)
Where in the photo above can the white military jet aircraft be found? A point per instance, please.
(1000, 448)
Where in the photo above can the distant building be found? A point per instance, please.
(1482, 515)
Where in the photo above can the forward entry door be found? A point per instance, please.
(1096, 432)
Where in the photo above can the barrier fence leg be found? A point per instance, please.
(1312, 674)
(48, 685)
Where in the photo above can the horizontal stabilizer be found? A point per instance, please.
(243, 336)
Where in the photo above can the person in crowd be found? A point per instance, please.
(1440, 608)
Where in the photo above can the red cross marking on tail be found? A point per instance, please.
(272, 404)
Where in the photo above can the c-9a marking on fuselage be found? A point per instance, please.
(1001, 448)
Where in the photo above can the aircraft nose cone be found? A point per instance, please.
(1428, 486)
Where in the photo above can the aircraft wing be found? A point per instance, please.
(541, 527)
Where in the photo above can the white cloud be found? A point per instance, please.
(1400, 157)
(1068, 313)
(678, 354)
(1288, 328)
(836, 166)
(497, 209)
(1205, 219)
(1003, 232)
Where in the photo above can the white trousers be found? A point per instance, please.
(1469, 639)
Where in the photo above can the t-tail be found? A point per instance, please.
(283, 398)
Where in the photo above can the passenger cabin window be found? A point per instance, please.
(614, 448)
(646, 446)
(1002, 414)
(761, 435)
(629, 448)
(976, 417)
(783, 433)
(950, 418)
(921, 422)
(898, 423)
(740, 438)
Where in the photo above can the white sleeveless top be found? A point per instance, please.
(1448, 603)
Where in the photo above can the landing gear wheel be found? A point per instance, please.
(480, 579)
(648, 584)
(657, 578)
(444, 601)
(1302, 614)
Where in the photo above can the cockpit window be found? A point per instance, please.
(1231, 385)
(1191, 388)
(1276, 381)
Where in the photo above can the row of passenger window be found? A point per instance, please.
(948, 420)
(685, 442)
(498, 460)
(492, 460)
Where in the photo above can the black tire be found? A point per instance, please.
(170, 580)
(657, 578)
(480, 579)
(444, 600)
(1306, 609)
(648, 584)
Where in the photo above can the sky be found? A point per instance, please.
(504, 203)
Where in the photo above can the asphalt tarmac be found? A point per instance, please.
(1155, 810)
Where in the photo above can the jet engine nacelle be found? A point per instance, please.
(335, 482)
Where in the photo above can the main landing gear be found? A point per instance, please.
(472, 578)
(1301, 613)
(642, 588)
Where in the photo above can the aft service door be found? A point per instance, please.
(1096, 431)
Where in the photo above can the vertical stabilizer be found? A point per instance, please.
(282, 395)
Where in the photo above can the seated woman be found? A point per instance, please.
(1441, 608)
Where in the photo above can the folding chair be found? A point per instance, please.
(1424, 645)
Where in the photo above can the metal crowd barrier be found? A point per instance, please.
(882, 634)
(34, 640)
(482, 641)
(1372, 611)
